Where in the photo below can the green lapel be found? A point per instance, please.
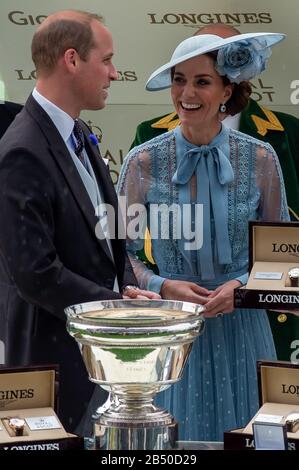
(279, 137)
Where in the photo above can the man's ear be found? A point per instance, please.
(71, 58)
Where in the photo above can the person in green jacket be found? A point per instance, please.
(281, 130)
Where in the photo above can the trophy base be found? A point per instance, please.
(128, 437)
(133, 422)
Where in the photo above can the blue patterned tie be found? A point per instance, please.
(79, 144)
(214, 172)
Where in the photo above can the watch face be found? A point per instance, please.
(292, 422)
(17, 425)
(16, 422)
(294, 273)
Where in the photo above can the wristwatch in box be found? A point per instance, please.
(17, 425)
(292, 422)
(294, 276)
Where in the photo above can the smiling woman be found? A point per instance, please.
(197, 98)
(234, 178)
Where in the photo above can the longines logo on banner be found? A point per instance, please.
(21, 18)
(201, 19)
(127, 76)
(123, 76)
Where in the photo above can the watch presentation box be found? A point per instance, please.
(273, 267)
(28, 401)
(278, 384)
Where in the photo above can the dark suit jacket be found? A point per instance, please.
(50, 256)
(8, 112)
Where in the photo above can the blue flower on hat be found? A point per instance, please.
(243, 60)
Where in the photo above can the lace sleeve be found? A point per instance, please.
(273, 202)
(133, 185)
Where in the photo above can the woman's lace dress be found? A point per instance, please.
(234, 179)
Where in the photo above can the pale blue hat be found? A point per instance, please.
(240, 57)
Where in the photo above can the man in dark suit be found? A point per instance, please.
(52, 181)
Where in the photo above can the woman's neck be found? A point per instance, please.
(201, 135)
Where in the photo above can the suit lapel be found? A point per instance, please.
(280, 142)
(100, 168)
(104, 181)
(261, 123)
(60, 153)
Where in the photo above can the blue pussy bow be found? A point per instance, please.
(214, 172)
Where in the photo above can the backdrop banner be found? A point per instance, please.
(145, 33)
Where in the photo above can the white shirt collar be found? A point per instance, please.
(232, 122)
(63, 121)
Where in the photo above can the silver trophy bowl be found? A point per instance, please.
(135, 349)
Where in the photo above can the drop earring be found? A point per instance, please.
(222, 108)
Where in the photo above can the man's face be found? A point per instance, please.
(97, 71)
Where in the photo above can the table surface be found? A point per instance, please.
(200, 445)
(182, 445)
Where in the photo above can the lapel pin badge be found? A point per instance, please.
(93, 139)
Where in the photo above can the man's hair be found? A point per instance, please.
(51, 40)
(225, 28)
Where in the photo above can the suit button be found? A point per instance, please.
(282, 318)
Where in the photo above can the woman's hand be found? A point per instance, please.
(221, 300)
(185, 291)
(136, 293)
